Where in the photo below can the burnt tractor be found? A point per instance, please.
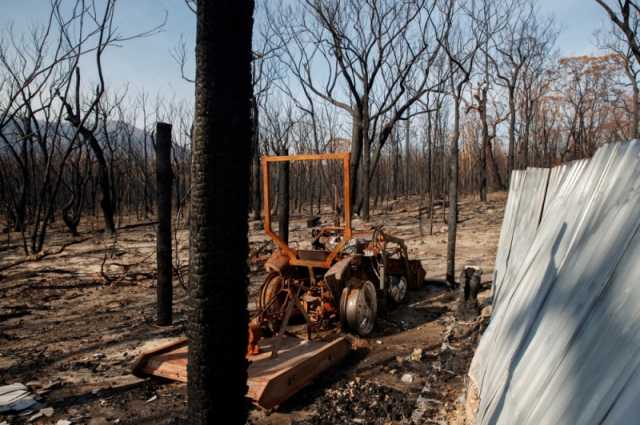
(340, 277)
(345, 277)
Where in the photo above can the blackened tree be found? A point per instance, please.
(221, 155)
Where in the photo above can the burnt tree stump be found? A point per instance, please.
(468, 307)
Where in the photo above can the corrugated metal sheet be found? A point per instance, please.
(563, 345)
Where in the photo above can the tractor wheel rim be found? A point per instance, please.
(362, 309)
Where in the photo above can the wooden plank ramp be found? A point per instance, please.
(272, 380)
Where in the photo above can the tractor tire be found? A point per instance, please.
(272, 288)
(398, 289)
(359, 308)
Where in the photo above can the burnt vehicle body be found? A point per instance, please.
(347, 276)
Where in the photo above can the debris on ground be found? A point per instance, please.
(361, 402)
(46, 412)
(416, 355)
(407, 378)
(16, 398)
(57, 361)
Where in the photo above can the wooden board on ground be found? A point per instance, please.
(271, 380)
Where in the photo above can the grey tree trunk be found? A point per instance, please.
(221, 156)
(453, 195)
(164, 179)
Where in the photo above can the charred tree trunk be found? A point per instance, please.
(525, 136)
(71, 215)
(21, 206)
(106, 203)
(255, 164)
(104, 181)
(72, 210)
(145, 172)
(430, 136)
(283, 199)
(512, 133)
(356, 153)
(366, 160)
(164, 181)
(468, 307)
(217, 327)
(485, 145)
(396, 163)
(494, 165)
(407, 159)
(18, 215)
(635, 109)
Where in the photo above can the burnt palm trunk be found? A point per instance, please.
(218, 319)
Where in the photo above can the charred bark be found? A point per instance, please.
(356, 153)
(164, 176)
(255, 164)
(485, 144)
(218, 318)
(512, 133)
(366, 160)
(283, 198)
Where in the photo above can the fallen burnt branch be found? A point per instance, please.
(136, 225)
(126, 267)
(43, 254)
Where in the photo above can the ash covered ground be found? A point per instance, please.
(71, 324)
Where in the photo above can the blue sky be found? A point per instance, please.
(147, 63)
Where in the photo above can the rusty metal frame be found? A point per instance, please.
(294, 258)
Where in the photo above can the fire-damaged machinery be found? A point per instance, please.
(345, 276)
(342, 278)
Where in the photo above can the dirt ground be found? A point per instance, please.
(72, 322)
